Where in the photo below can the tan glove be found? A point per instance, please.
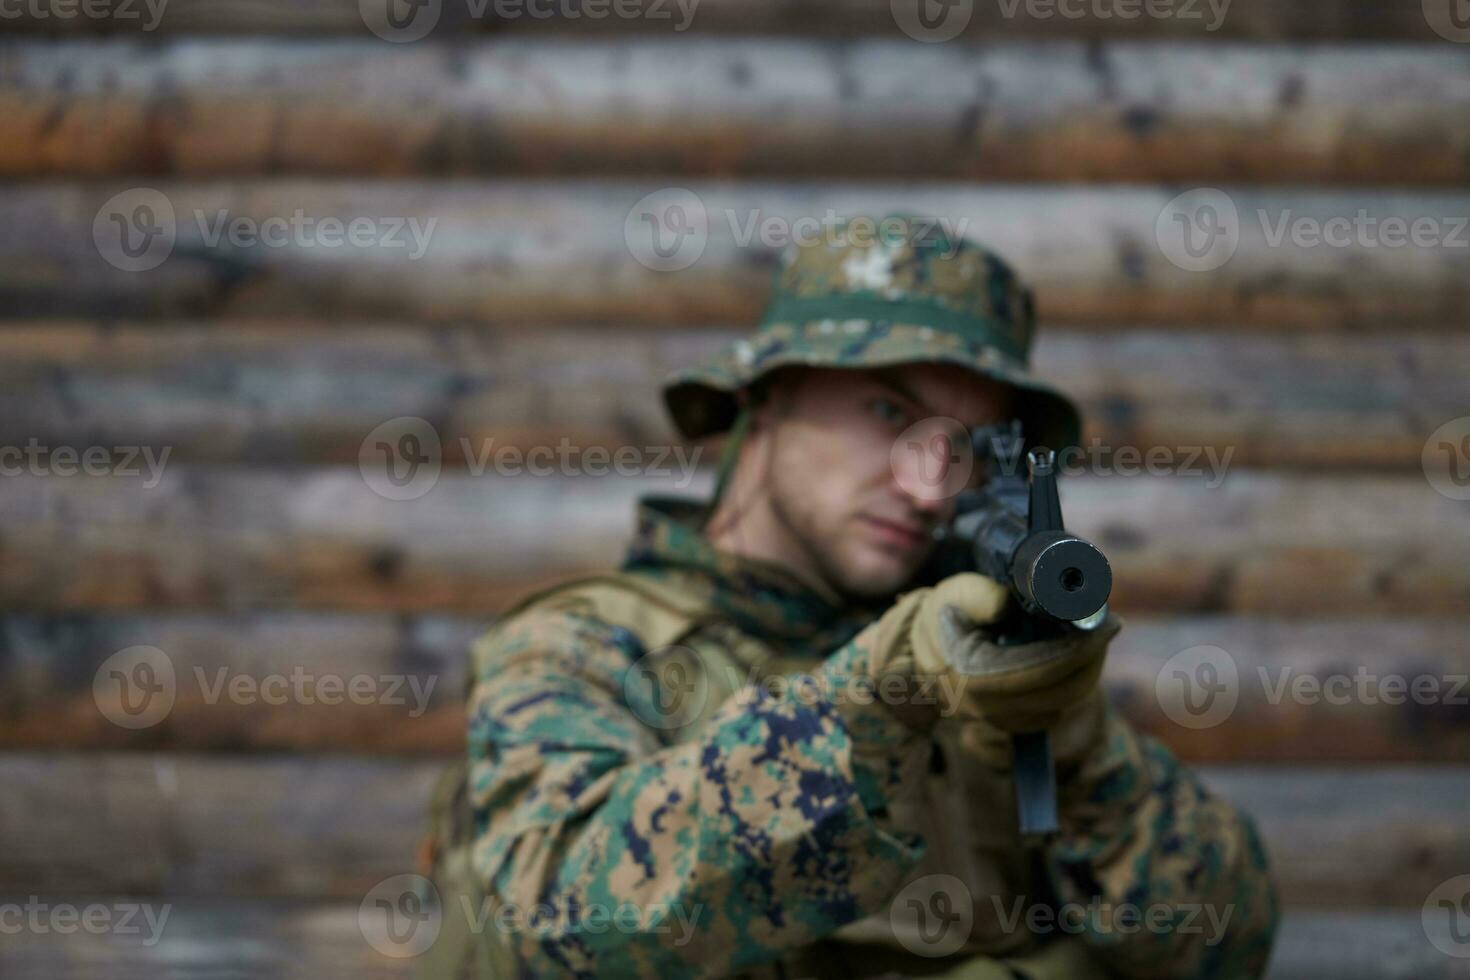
(939, 632)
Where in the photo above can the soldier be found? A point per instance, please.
(742, 753)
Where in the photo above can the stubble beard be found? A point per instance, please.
(824, 555)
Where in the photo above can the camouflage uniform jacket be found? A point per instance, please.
(642, 809)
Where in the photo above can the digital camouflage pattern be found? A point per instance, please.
(665, 746)
(906, 293)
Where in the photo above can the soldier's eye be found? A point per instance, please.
(888, 410)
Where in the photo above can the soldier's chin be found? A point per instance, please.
(874, 572)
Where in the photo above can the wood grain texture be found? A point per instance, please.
(295, 939)
(1267, 20)
(258, 392)
(1141, 113)
(138, 823)
(323, 538)
(1315, 691)
(574, 251)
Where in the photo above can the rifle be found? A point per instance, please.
(1011, 530)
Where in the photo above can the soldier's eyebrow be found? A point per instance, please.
(897, 387)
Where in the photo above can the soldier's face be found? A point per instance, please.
(862, 469)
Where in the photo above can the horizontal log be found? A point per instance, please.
(1357, 690)
(1133, 112)
(251, 391)
(251, 682)
(288, 939)
(1375, 944)
(207, 537)
(185, 825)
(1321, 691)
(1304, 20)
(513, 252)
(296, 939)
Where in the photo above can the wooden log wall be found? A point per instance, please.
(1296, 530)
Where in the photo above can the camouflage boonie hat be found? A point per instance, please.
(879, 293)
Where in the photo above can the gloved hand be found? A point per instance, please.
(939, 632)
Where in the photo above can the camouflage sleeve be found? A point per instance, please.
(757, 834)
(1166, 879)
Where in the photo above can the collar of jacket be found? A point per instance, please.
(760, 598)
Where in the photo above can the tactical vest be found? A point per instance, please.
(989, 860)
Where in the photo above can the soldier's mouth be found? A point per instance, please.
(896, 533)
